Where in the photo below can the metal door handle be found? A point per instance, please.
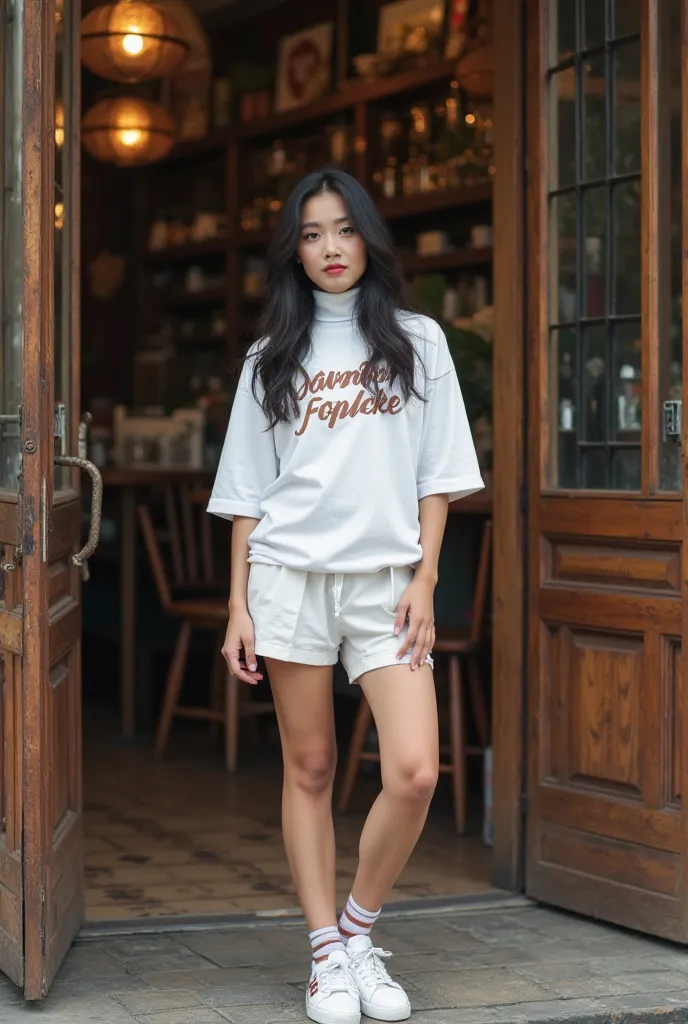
(80, 560)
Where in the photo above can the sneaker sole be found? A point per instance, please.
(329, 1017)
(387, 1015)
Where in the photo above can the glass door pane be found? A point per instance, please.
(670, 239)
(64, 234)
(11, 240)
(594, 199)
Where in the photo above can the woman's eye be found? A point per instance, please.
(349, 230)
(309, 236)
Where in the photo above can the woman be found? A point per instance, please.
(347, 439)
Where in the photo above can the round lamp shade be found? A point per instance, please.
(132, 41)
(128, 131)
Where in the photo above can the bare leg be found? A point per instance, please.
(305, 715)
(404, 706)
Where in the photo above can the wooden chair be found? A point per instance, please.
(455, 645)
(190, 591)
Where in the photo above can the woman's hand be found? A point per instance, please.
(416, 603)
(241, 636)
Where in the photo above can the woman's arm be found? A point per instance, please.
(433, 521)
(240, 632)
(242, 529)
(417, 601)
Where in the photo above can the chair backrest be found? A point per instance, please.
(482, 584)
(178, 537)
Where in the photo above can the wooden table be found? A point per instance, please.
(130, 482)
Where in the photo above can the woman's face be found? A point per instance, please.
(332, 252)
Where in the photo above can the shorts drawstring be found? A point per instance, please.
(337, 592)
(391, 596)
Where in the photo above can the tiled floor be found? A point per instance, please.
(485, 964)
(180, 837)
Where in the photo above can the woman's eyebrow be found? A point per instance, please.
(316, 224)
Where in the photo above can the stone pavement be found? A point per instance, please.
(508, 961)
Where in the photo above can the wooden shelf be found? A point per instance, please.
(209, 297)
(433, 202)
(187, 253)
(415, 264)
(355, 91)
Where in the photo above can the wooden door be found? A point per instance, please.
(606, 817)
(41, 864)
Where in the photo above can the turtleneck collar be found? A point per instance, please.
(335, 306)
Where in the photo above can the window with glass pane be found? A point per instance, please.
(594, 244)
(670, 242)
(11, 228)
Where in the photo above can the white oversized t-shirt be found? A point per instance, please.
(337, 489)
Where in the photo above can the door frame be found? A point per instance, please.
(49, 528)
(510, 446)
(648, 818)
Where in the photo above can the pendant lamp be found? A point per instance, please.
(132, 41)
(128, 131)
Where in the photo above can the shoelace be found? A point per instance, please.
(371, 968)
(336, 978)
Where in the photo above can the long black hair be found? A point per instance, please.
(287, 319)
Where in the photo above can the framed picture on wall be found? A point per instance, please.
(410, 26)
(304, 66)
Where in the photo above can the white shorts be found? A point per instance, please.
(313, 618)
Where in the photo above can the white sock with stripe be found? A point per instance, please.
(325, 941)
(355, 920)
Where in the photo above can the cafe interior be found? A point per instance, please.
(198, 119)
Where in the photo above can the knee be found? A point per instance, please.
(312, 771)
(414, 782)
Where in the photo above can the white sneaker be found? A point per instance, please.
(381, 998)
(332, 996)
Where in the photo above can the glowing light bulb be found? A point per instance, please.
(132, 44)
(59, 125)
(130, 136)
(470, 118)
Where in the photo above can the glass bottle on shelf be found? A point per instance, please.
(411, 176)
(390, 178)
(276, 159)
(386, 175)
(451, 140)
(420, 133)
(483, 147)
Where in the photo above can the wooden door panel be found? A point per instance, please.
(603, 694)
(605, 821)
(606, 827)
(41, 834)
(64, 823)
(578, 561)
(11, 867)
